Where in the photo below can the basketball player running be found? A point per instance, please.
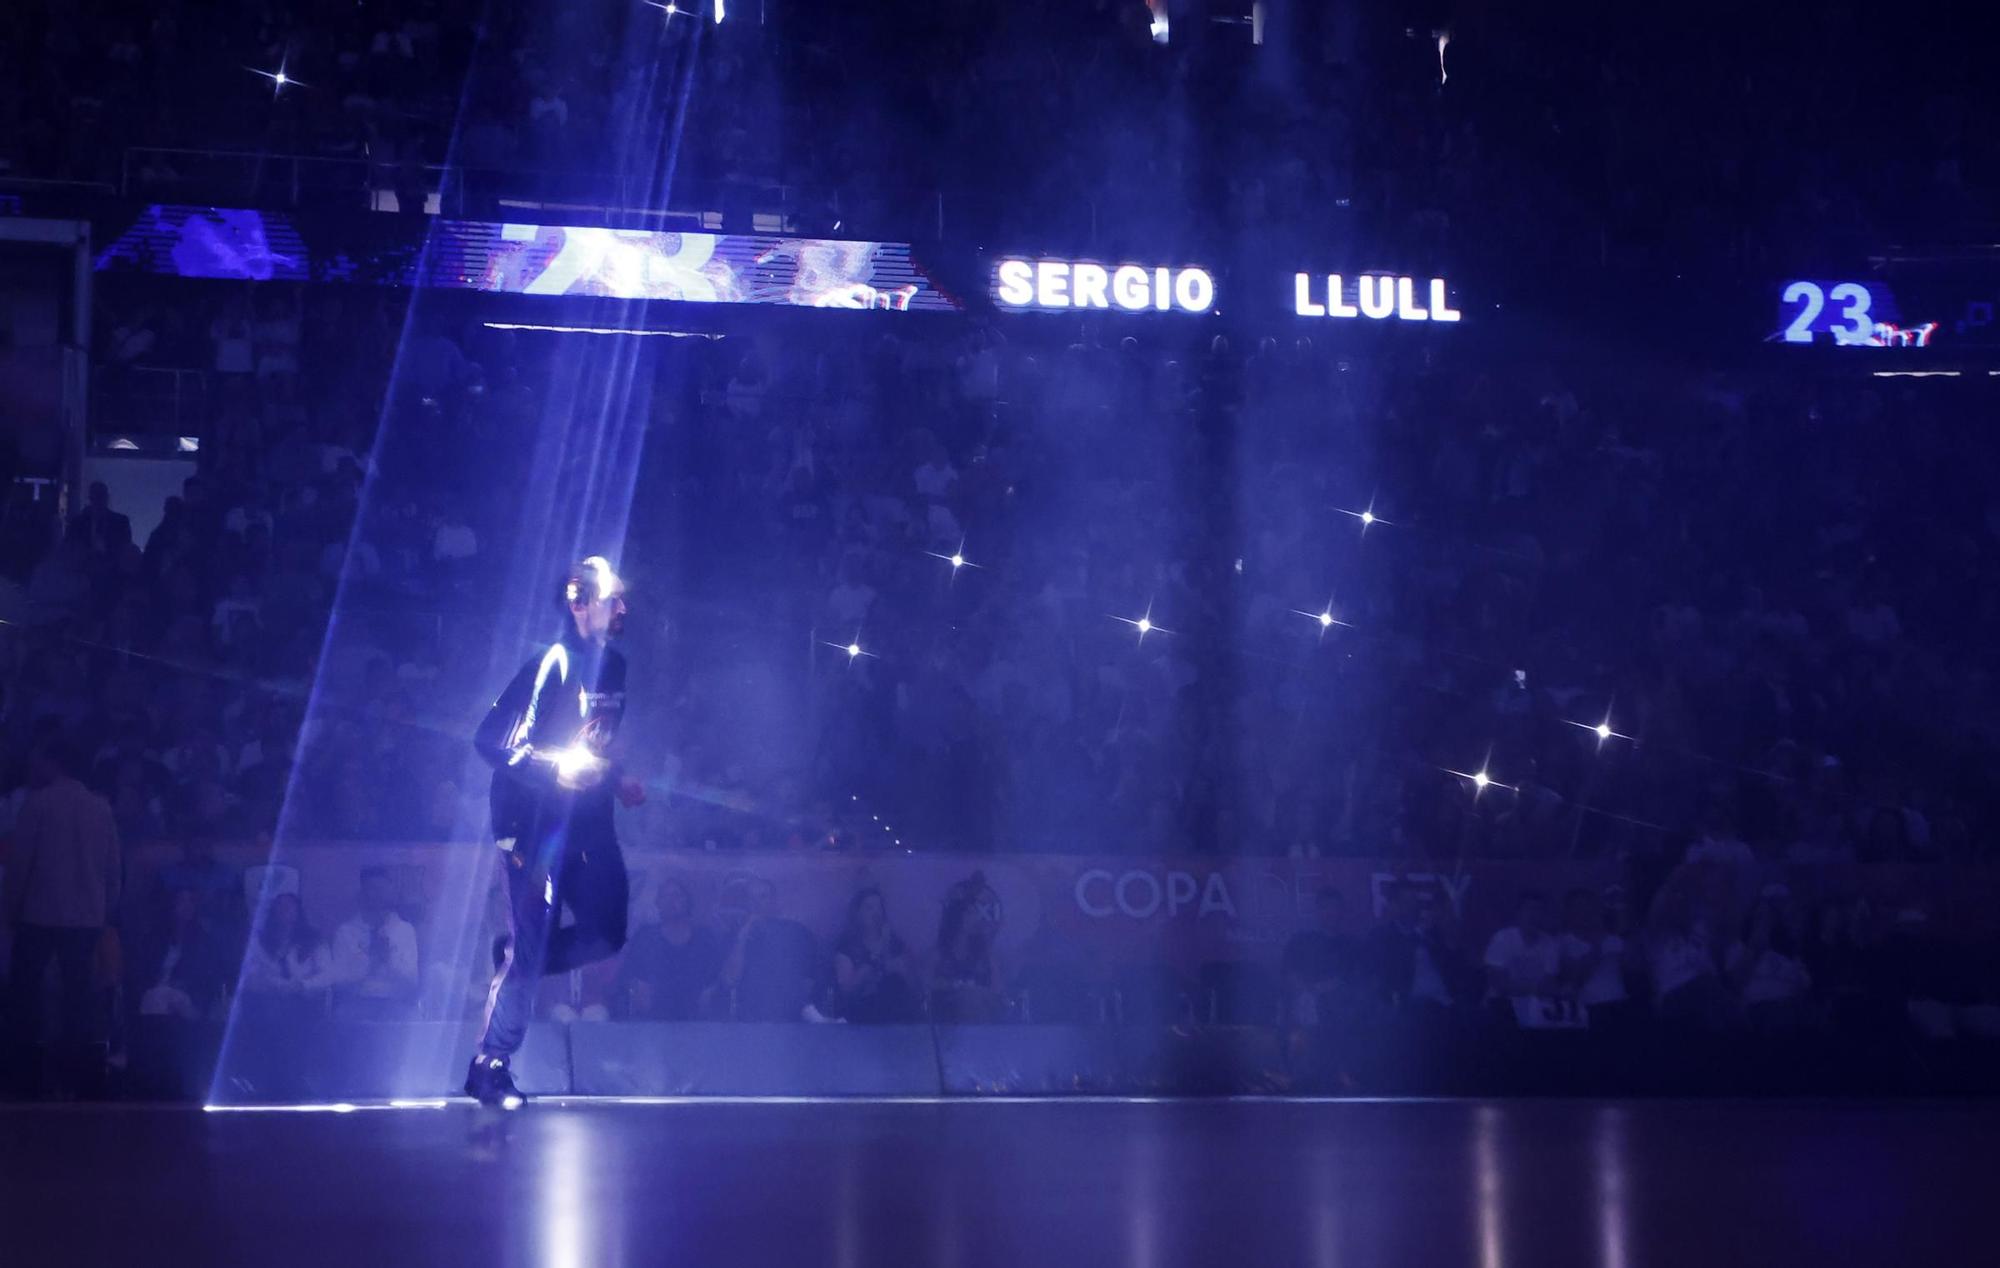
(547, 739)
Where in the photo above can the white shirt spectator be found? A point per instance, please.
(375, 962)
(1529, 965)
(1774, 979)
(1606, 982)
(288, 974)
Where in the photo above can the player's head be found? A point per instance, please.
(594, 596)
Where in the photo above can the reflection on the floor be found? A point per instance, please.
(1042, 1182)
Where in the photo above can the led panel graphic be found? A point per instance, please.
(703, 268)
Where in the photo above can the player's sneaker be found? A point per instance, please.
(490, 1083)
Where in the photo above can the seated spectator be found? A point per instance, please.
(1719, 843)
(375, 955)
(1409, 963)
(287, 960)
(216, 885)
(1321, 966)
(1593, 957)
(1687, 984)
(668, 963)
(873, 980)
(1766, 971)
(180, 969)
(772, 965)
(962, 982)
(1523, 960)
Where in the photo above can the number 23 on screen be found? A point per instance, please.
(1807, 308)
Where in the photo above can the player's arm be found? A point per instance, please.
(505, 738)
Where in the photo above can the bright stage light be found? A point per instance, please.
(852, 649)
(1602, 730)
(1481, 779)
(1324, 618)
(1143, 624)
(576, 761)
(1366, 515)
(956, 558)
(280, 79)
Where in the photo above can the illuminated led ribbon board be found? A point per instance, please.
(1948, 304)
(1373, 297)
(521, 259)
(1058, 285)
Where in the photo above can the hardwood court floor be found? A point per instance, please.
(1019, 1184)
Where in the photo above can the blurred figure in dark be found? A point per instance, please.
(962, 984)
(63, 879)
(177, 966)
(873, 981)
(668, 963)
(1411, 964)
(773, 963)
(1321, 965)
(103, 531)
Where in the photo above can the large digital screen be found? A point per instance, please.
(1945, 303)
(522, 259)
(1847, 313)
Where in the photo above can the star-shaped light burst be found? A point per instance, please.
(956, 559)
(853, 649)
(1143, 624)
(1481, 779)
(1324, 618)
(1602, 730)
(1366, 515)
(280, 80)
(671, 8)
(576, 761)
